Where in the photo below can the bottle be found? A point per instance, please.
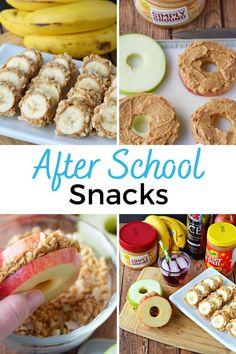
(197, 225)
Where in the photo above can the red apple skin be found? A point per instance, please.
(19, 248)
(63, 256)
(229, 218)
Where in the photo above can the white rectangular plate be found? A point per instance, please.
(14, 128)
(178, 300)
(175, 92)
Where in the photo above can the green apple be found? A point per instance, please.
(142, 288)
(142, 64)
(111, 350)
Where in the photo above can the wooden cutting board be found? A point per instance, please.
(180, 332)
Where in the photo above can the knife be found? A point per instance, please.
(206, 33)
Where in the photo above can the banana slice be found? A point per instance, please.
(90, 99)
(231, 327)
(207, 307)
(90, 83)
(34, 55)
(218, 300)
(49, 87)
(220, 319)
(36, 109)
(15, 77)
(193, 297)
(212, 282)
(72, 118)
(25, 65)
(203, 288)
(219, 279)
(104, 120)
(9, 98)
(57, 72)
(226, 292)
(96, 65)
(67, 61)
(111, 94)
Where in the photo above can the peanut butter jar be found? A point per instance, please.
(221, 247)
(138, 245)
(170, 13)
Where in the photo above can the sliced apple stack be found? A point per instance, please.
(154, 311)
(47, 262)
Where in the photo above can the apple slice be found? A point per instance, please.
(154, 311)
(142, 64)
(17, 249)
(140, 289)
(52, 274)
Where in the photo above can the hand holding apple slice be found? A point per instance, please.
(31, 263)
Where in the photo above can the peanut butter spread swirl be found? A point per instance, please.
(204, 119)
(48, 241)
(199, 81)
(147, 119)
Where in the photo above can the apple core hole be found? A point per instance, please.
(140, 125)
(209, 67)
(154, 311)
(134, 61)
(222, 123)
(111, 225)
(143, 291)
(44, 286)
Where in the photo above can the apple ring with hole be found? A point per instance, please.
(140, 289)
(104, 120)
(57, 72)
(48, 262)
(194, 68)
(23, 64)
(147, 119)
(96, 65)
(37, 109)
(91, 83)
(49, 87)
(73, 118)
(14, 77)
(206, 120)
(154, 311)
(35, 55)
(9, 99)
(91, 100)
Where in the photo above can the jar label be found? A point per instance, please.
(167, 17)
(223, 261)
(139, 261)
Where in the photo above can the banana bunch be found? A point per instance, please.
(170, 231)
(78, 27)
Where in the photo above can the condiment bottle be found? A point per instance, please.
(221, 247)
(197, 225)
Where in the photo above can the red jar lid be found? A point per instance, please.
(137, 237)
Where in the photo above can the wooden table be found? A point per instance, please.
(131, 343)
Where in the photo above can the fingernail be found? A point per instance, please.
(35, 299)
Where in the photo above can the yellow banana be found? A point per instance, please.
(72, 18)
(13, 21)
(177, 230)
(26, 5)
(77, 45)
(162, 231)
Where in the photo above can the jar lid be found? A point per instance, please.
(222, 234)
(137, 237)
